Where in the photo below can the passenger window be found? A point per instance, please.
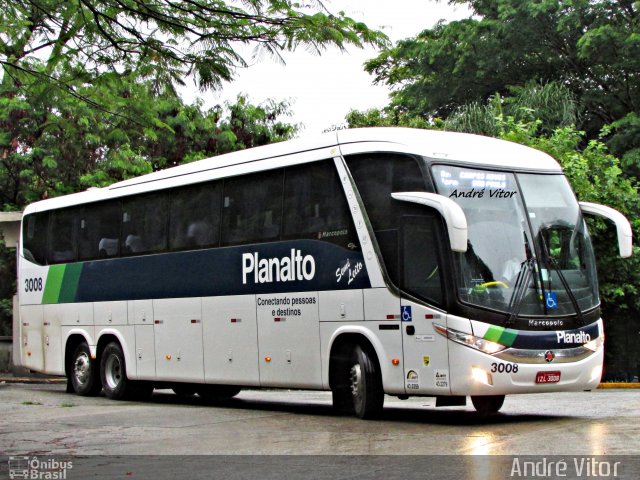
(34, 241)
(252, 208)
(194, 218)
(62, 235)
(99, 231)
(144, 224)
(315, 205)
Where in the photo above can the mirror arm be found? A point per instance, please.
(452, 213)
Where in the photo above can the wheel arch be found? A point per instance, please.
(339, 353)
(71, 343)
(107, 336)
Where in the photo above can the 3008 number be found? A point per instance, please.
(33, 284)
(504, 367)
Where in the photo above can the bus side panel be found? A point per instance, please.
(32, 317)
(52, 337)
(178, 339)
(230, 338)
(140, 314)
(289, 340)
(426, 354)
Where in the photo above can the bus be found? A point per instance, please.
(367, 262)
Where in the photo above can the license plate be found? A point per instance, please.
(547, 377)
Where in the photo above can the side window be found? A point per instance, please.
(377, 175)
(315, 205)
(194, 216)
(420, 256)
(252, 208)
(63, 225)
(34, 240)
(99, 231)
(144, 224)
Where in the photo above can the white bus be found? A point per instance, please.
(365, 262)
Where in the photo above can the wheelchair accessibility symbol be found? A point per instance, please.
(551, 300)
(406, 313)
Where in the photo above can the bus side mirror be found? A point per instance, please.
(623, 227)
(451, 212)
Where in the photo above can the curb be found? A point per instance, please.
(49, 380)
(618, 385)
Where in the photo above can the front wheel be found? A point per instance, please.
(359, 387)
(113, 373)
(83, 372)
(487, 405)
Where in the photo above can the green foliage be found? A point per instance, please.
(164, 41)
(591, 48)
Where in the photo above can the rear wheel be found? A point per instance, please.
(487, 405)
(113, 373)
(84, 373)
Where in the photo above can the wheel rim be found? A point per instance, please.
(82, 368)
(113, 372)
(356, 384)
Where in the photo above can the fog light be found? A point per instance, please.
(481, 376)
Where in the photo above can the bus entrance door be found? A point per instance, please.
(426, 359)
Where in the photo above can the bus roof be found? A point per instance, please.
(441, 147)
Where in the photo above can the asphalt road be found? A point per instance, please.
(43, 420)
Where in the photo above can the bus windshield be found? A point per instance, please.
(528, 249)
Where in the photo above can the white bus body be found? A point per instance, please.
(368, 262)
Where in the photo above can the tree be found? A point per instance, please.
(164, 41)
(592, 47)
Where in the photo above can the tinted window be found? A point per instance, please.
(377, 176)
(99, 231)
(315, 206)
(194, 217)
(63, 226)
(144, 224)
(252, 208)
(34, 241)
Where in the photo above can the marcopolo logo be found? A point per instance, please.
(284, 269)
(573, 337)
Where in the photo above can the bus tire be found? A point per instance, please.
(367, 396)
(487, 405)
(217, 393)
(84, 373)
(113, 374)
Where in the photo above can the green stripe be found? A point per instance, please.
(62, 283)
(504, 336)
(508, 337)
(493, 333)
(54, 282)
(70, 283)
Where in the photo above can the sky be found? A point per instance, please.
(323, 89)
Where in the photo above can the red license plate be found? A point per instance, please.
(547, 377)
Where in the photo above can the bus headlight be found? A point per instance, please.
(485, 346)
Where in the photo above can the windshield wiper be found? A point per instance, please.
(521, 285)
(574, 301)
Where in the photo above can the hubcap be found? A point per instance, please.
(113, 372)
(356, 382)
(82, 368)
